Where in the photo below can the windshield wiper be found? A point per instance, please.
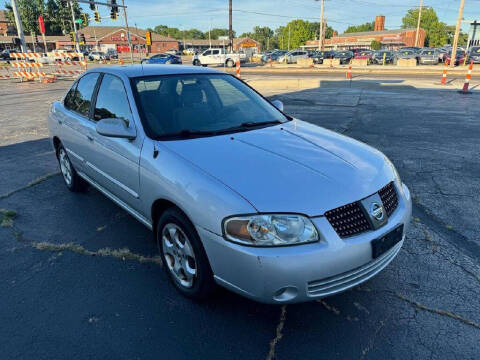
(251, 124)
(186, 133)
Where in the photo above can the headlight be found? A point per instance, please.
(270, 230)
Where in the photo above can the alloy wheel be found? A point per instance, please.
(179, 255)
(65, 167)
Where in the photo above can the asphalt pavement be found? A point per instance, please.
(81, 278)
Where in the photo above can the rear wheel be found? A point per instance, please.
(74, 182)
(183, 255)
(196, 62)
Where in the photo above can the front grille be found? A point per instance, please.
(346, 280)
(348, 220)
(389, 197)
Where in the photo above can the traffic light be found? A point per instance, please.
(82, 39)
(148, 38)
(113, 14)
(72, 37)
(92, 5)
(97, 16)
(85, 19)
(113, 10)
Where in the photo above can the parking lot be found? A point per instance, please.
(81, 278)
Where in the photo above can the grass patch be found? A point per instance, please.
(123, 254)
(6, 217)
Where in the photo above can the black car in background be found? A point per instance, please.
(5, 54)
(274, 55)
(474, 54)
(344, 55)
(319, 56)
(377, 57)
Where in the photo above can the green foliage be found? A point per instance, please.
(58, 19)
(375, 45)
(437, 33)
(369, 26)
(176, 33)
(264, 35)
(299, 31)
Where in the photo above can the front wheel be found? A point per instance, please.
(230, 63)
(183, 255)
(74, 182)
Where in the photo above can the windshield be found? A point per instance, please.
(428, 52)
(174, 106)
(475, 50)
(408, 52)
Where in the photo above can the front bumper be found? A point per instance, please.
(303, 272)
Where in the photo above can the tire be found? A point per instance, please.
(71, 179)
(230, 63)
(196, 62)
(193, 278)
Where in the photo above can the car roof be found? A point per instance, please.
(150, 70)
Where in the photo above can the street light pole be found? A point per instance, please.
(418, 23)
(457, 33)
(320, 35)
(128, 30)
(18, 23)
(77, 45)
(230, 29)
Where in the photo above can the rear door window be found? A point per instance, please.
(81, 99)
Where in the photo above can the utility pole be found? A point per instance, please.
(320, 35)
(230, 30)
(77, 45)
(128, 30)
(418, 23)
(288, 37)
(18, 23)
(457, 32)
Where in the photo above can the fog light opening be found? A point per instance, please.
(286, 293)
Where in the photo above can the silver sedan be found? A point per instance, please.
(237, 192)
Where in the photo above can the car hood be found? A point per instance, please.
(293, 167)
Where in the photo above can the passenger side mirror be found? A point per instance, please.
(278, 104)
(114, 127)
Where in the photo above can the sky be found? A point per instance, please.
(202, 14)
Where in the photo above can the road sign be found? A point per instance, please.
(41, 24)
(148, 38)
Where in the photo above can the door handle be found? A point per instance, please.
(90, 137)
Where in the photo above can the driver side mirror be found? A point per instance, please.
(114, 127)
(278, 104)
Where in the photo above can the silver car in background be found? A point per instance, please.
(292, 56)
(429, 57)
(236, 192)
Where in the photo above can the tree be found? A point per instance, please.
(315, 28)
(436, 31)
(375, 45)
(299, 31)
(264, 35)
(369, 26)
(58, 19)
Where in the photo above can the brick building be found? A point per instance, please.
(6, 27)
(390, 39)
(115, 38)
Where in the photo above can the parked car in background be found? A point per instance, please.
(5, 54)
(364, 55)
(345, 56)
(415, 49)
(407, 54)
(274, 55)
(174, 52)
(189, 51)
(162, 59)
(459, 58)
(218, 57)
(111, 54)
(378, 56)
(441, 53)
(291, 57)
(97, 55)
(44, 59)
(474, 54)
(319, 56)
(237, 193)
(355, 51)
(428, 57)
